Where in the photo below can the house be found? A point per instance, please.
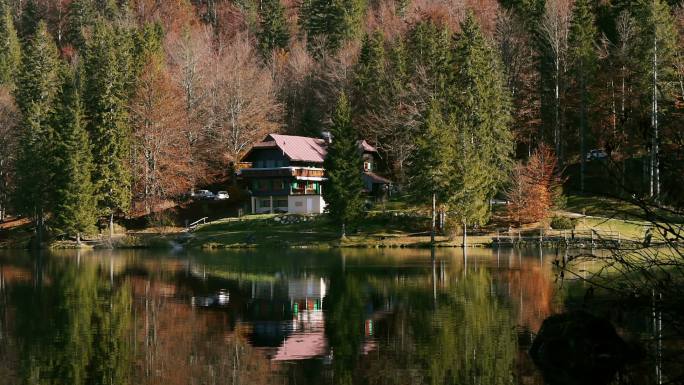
(285, 173)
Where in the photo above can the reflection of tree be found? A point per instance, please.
(468, 339)
(73, 330)
(344, 324)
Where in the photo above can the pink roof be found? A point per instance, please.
(367, 147)
(301, 148)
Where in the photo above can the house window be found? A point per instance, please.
(367, 166)
(299, 204)
(265, 203)
(280, 203)
(270, 164)
(279, 184)
(261, 185)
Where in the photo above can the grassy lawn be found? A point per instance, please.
(612, 215)
(378, 229)
(611, 208)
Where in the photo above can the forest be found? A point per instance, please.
(112, 108)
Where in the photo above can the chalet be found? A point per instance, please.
(285, 173)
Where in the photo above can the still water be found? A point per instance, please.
(274, 317)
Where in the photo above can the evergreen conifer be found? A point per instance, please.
(10, 48)
(343, 164)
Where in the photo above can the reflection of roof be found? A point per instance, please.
(300, 346)
(375, 178)
(301, 148)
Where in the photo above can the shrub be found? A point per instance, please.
(562, 223)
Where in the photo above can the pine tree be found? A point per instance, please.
(428, 47)
(584, 60)
(480, 111)
(30, 18)
(10, 48)
(431, 164)
(329, 23)
(75, 210)
(343, 164)
(81, 16)
(273, 29)
(37, 87)
(370, 78)
(106, 94)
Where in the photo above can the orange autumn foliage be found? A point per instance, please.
(534, 187)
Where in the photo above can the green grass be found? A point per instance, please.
(379, 229)
(612, 208)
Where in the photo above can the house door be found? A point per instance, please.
(309, 205)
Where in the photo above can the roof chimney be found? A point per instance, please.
(327, 136)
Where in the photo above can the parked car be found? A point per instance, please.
(203, 194)
(596, 154)
(222, 195)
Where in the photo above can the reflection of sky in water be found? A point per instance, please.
(296, 315)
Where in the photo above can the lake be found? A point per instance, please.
(351, 316)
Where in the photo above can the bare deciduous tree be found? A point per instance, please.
(555, 30)
(242, 102)
(190, 53)
(161, 152)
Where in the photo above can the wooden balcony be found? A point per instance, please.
(282, 172)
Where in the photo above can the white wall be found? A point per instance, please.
(305, 204)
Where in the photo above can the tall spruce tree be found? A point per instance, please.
(107, 89)
(81, 15)
(370, 78)
(329, 23)
(429, 49)
(273, 29)
(583, 62)
(431, 164)
(10, 48)
(75, 207)
(480, 112)
(343, 164)
(37, 88)
(30, 18)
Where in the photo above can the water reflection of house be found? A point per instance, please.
(307, 327)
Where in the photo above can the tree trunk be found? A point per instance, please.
(465, 235)
(78, 239)
(39, 228)
(583, 130)
(655, 166)
(111, 226)
(432, 228)
(344, 231)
